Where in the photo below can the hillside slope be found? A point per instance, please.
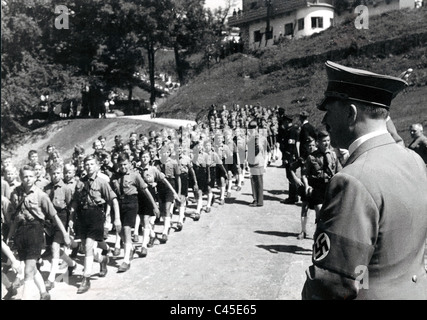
(293, 75)
(67, 133)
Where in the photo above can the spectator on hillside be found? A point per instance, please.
(419, 142)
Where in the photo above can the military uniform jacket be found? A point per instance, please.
(127, 184)
(34, 205)
(317, 168)
(93, 191)
(60, 194)
(372, 227)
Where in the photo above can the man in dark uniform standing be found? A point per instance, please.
(370, 238)
(288, 147)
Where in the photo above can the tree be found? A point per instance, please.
(152, 21)
(188, 27)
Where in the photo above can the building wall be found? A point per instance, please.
(327, 13)
(278, 24)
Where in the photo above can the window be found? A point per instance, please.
(289, 29)
(316, 22)
(257, 36)
(301, 24)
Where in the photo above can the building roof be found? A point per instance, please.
(278, 7)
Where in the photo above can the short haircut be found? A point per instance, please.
(91, 157)
(31, 152)
(123, 157)
(321, 134)
(418, 126)
(373, 111)
(145, 151)
(25, 168)
(56, 166)
(69, 167)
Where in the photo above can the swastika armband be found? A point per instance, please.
(340, 254)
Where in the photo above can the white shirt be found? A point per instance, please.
(356, 143)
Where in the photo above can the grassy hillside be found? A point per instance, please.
(293, 75)
(67, 133)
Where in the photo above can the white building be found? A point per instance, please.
(265, 22)
(285, 18)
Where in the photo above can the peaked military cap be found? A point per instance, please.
(360, 85)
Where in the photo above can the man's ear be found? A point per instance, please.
(352, 115)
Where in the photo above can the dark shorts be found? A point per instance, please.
(29, 240)
(91, 223)
(57, 235)
(213, 177)
(145, 206)
(202, 178)
(184, 183)
(317, 195)
(220, 174)
(128, 210)
(165, 194)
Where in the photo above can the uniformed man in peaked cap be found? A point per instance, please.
(370, 238)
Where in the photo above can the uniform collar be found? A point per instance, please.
(59, 184)
(356, 143)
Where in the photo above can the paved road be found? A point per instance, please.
(235, 252)
(173, 123)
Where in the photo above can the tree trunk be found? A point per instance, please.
(130, 87)
(151, 52)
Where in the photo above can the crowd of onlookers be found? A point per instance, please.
(60, 209)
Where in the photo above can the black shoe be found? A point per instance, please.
(84, 286)
(143, 252)
(179, 226)
(196, 217)
(289, 201)
(103, 267)
(49, 285)
(124, 267)
(151, 242)
(253, 204)
(164, 238)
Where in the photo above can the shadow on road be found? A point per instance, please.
(278, 233)
(276, 248)
(282, 192)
